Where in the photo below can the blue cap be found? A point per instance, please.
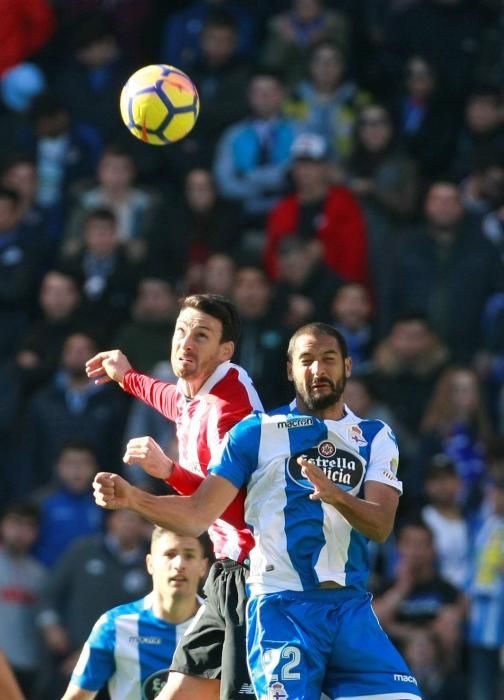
(20, 84)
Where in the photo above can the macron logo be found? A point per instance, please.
(295, 423)
(405, 679)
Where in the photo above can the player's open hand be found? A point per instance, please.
(112, 491)
(146, 452)
(323, 488)
(108, 366)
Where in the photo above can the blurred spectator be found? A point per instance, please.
(252, 157)
(90, 81)
(20, 270)
(219, 74)
(21, 581)
(217, 275)
(40, 349)
(67, 507)
(319, 211)
(443, 514)
(96, 573)
(425, 119)
(327, 102)
(26, 26)
(486, 598)
(406, 365)
(10, 406)
(191, 230)
(108, 277)
(134, 208)
(181, 45)
(292, 34)
(262, 345)
(481, 131)
(449, 32)
(64, 153)
(418, 597)
(483, 189)
(489, 360)
(146, 339)
(456, 423)
(177, 566)
(351, 312)
(447, 259)
(70, 407)
(305, 284)
(437, 679)
(384, 178)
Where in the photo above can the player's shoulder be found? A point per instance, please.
(234, 390)
(132, 609)
(365, 430)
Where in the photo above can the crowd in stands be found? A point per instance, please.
(348, 167)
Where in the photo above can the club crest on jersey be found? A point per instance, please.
(154, 684)
(355, 435)
(276, 691)
(345, 469)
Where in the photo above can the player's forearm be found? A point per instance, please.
(368, 517)
(176, 513)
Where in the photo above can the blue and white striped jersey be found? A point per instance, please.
(131, 650)
(299, 542)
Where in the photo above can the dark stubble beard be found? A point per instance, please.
(319, 403)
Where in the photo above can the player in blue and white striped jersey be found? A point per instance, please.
(320, 483)
(130, 647)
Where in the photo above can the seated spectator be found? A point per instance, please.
(351, 312)
(20, 271)
(22, 579)
(253, 156)
(177, 565)
(209, 225)
(406, 366)
(292, 34)
(217, 276)
(305, 285)
(90, 80)
(425, 119)
(486, 614)
(483, 188)
(418, 597)
(319, 211)
(180, 43)
(134, 208)
(67, 507)
(327, 102)
(146, 339)
(262, 345)
(481, 131)
(447, 259)
(96, 573)
(443, 514)
(456, 423)
(70, 407)
(489, 360)
(384, 179)
(219, 74)
(40, 349)
(433, 669)
(108, 277)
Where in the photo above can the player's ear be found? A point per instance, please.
(148, 563)
(227, 350)
(289, 371)
(348, 367)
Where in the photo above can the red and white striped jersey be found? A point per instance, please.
(227, 396)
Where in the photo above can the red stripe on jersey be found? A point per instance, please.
(226, 398)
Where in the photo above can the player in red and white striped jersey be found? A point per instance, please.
(210, 397)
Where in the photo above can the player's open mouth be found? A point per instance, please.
(178, 579)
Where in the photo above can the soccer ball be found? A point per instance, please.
(159, 104)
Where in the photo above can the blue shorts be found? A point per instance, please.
(301, 644)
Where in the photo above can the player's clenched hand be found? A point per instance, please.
(107, 366)
(112, 491)
(323, 488)
(146, 452)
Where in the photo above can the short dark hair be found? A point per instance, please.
(416, 522)
(221, 19)
(218, 307)
(318, 329)
(159, 531)
(79, 445)
(27, 510)
(10, 194)
(101, 213)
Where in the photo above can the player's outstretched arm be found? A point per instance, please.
(372, 515)
(108, 366)
(185, 515)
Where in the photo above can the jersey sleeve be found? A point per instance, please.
(96, 664)
(384, 459)
(239, 452)
(162, 396)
